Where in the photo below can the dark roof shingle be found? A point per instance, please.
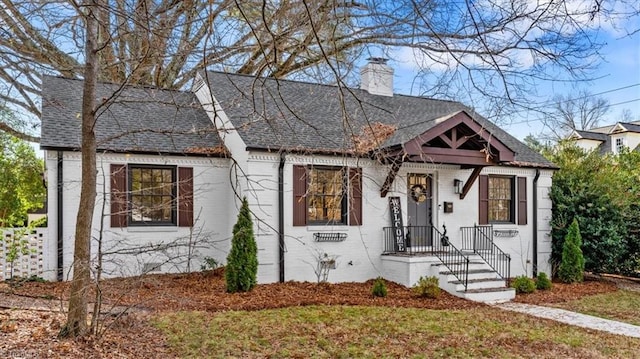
(281, 114)
(139, 119)
(592, 135)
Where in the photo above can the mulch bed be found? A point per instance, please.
(561, 292)
(206, 291)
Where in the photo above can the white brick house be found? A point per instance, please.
(318, 164)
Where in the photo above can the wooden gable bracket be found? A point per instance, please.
(395, 167)
(417, 147)
(471, 180)
(455, 141)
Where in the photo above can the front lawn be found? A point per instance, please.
(346, 331)
(192, 315)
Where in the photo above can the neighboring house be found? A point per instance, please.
(609, 139)
(348, 183)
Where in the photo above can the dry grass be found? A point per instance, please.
(377, 332)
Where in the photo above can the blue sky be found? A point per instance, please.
(616, 79)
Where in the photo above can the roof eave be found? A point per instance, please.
(135, 152)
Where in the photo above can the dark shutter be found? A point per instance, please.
(483, 182)
(355, 196)
(522, 200)
(185, 197)
(299, 196)
(118, 196)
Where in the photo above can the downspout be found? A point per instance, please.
(281, 215)
(60, 264)
(535, 223)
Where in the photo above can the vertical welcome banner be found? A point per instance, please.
(396, 223)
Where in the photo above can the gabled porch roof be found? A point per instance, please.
(455, 139)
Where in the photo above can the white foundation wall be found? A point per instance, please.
(131, 250)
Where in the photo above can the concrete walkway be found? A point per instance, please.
(572, 318)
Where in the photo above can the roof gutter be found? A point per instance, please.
(59, 234)
(281, 215)
(535, 223)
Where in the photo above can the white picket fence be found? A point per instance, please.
(29, 260)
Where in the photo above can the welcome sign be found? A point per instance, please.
(396, 223)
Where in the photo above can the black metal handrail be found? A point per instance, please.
(428, 240)
(479, 239)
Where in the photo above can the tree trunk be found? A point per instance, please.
(77, 317)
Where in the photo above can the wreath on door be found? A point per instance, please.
(418, 193)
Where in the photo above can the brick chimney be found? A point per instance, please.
(377, 77)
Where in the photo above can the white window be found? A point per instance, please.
(619, 144)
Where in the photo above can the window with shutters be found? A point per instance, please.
(327, 195)
(503, 199)
(151, 195)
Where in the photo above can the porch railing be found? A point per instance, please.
(479, 239)
(429, 240)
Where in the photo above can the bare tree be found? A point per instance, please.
(580, 111)
(77, 318)
(626, 116)
(494, 50)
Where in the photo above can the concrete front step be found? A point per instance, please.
(471, 274)
(462, 265)
(480, 284)
(483, 283)
(489, 295)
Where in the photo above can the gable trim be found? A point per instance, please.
(494, 152)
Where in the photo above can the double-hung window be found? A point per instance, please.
(326, 198)
(501, 190)
(150, 195)
(619, 145)
(327, 195)
(503, 200)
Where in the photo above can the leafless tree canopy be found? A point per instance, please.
(495, 49)
(580, 111)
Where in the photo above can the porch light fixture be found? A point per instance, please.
(457, 186)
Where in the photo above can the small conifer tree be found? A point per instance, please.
(572, 266)
(242, 262)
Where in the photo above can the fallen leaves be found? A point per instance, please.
(33, 333)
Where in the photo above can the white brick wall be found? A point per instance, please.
(358, 257)
(217, 199)
(211, 216)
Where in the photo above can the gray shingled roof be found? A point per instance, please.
(592, 135)
(282, 114)
(140, 119)
(630, 126)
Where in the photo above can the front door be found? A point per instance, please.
(419, 209)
